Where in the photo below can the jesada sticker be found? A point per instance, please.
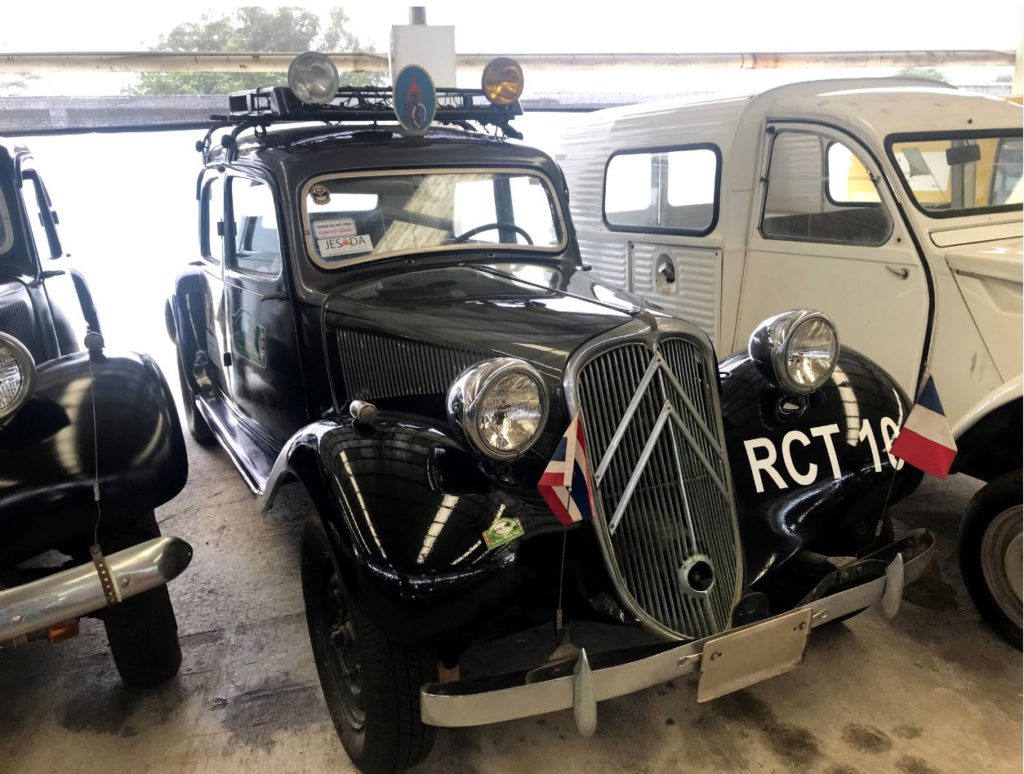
(335, 246)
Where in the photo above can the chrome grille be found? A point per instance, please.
(662, 482)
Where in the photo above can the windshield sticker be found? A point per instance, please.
(320, 194)
(333, 227)
(335, 246)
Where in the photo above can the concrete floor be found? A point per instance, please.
(932, 691)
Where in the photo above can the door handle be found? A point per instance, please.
(900, 271)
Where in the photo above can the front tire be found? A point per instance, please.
(371, 682)
(143, 636)
(990, 554)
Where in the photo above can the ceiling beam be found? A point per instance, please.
(175, 62)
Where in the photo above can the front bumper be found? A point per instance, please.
(514, 696)
(70, 594)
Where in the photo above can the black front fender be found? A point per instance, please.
(812, 472)
(405, 508)
(48, 451)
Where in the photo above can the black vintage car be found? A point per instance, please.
(400, 323)
(90, 444)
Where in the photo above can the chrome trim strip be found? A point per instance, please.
(441, 706)
(70, 594)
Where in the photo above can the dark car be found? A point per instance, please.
(90, 444)
(402, 325)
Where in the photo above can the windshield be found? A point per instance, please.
(356, 218)
(956, 174)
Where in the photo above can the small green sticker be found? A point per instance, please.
(502, 530)
(250, 338)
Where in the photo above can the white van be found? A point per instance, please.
(893, 205)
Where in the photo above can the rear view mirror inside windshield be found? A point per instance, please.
(963, 154)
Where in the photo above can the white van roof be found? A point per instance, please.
(870, 106)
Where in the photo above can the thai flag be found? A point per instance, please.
(926, 440)
(565, 483)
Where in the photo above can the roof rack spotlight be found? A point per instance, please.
(313, 78)
(502, 81)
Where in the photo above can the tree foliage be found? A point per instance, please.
(250, 29)
(922, 72)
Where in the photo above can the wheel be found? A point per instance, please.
(197, 426)
(990, 554)
(371, 682)
(143, 637)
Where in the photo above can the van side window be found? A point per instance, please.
(211, 221)
(669, 190)
(254, 232)
(820, 191)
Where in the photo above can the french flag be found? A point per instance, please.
(926, 440)
(565, 482)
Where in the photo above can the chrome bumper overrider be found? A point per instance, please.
(70, 594)
(509, 697)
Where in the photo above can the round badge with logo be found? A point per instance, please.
(415, 99)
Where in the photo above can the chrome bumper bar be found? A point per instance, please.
(70, 594)
(510, 697)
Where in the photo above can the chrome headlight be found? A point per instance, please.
(500, 406)
(17, 370)
(797, 350)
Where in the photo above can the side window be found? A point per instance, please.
(212, 221)
(37, 208)
(254, 232)
(671, 190)
(820, 191)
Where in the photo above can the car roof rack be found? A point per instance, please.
(263, 107)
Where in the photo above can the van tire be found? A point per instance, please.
(989, 535)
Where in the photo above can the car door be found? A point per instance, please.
(265, 370)
(826, 235)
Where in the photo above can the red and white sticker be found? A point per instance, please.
(334, 227)
(358, 243)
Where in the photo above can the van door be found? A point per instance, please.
(265, 372)
(665, 203)
(827, 236)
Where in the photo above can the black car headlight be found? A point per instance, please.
(17, 369)
(500, 406)
(797, 350)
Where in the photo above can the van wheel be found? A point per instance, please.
(371, 682)
(143, 637)
(197, 426)
(990, 554)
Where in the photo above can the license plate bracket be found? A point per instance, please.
(740, 658)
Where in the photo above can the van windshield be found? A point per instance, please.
(957, 174)
(355, 218)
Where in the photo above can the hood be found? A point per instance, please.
(989, 278)
(534, 312)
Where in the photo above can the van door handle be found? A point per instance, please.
(900, 271)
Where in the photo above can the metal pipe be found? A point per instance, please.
(417, 14)
(175, 62)
(67, 595)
